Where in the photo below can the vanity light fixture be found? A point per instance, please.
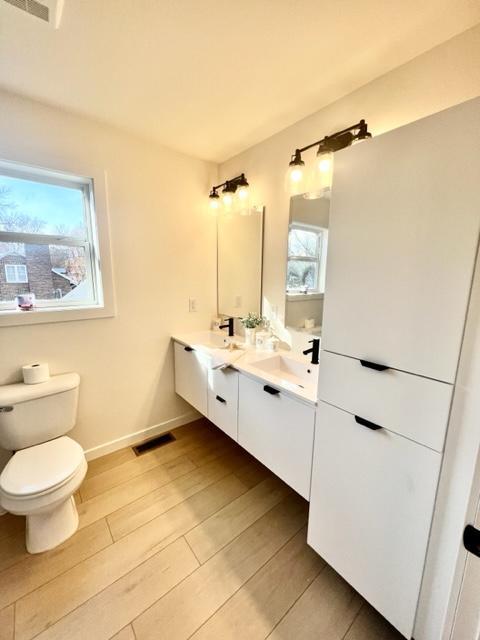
(318, 183)
(235, 196)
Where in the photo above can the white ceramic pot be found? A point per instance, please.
(250, 336)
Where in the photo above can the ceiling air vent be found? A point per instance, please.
(47, 10)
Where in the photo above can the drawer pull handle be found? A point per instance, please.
(374, 365)
(220, 399)
(471, 540)
(189, 349)
(367, 423)
(271, 390)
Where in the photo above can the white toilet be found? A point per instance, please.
(47, 467)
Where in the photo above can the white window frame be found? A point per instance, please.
(319, 259)
(17, 279)
(96, 243)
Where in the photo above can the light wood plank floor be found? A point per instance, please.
(195, 539)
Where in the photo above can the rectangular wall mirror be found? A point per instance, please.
(239, 263)
(306, 263)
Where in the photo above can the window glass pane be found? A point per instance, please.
(51, 272)
(27, 206)
(21, 270)
(48, 253)
(302, 243)
(10, 272)
(302, 275)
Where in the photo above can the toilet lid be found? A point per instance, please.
(42, 467)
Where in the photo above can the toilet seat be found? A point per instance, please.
(42, 469)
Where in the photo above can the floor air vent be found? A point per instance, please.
(154, 443)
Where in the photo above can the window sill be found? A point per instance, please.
(299, 297)
(42, 315)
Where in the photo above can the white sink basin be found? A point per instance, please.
(289, 370)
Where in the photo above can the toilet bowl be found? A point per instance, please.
(39, 482)
(47, 467)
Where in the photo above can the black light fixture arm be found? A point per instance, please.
(334, 141)
(232, 183)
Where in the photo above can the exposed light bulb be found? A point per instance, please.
(324, 164)
(295, 176)
(242, 195)
(228, 200)
(320, 181)
(214, 205)
(214, 202)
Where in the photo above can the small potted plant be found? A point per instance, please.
(250, 323)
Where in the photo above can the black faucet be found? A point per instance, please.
(230, 327)
(314, 350)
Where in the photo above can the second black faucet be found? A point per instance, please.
(230, 326)
(315, 350)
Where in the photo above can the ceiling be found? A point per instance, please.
(213, 77)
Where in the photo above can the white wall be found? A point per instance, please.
(164, 250)
(445, 76)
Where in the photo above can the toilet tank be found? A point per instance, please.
(34, 413)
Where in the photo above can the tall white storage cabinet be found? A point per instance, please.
(404, 227)
(403, 236)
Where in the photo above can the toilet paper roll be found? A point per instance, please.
(35, 373)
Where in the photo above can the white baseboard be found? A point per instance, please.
(143, 434)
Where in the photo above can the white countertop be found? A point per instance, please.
(208, 342)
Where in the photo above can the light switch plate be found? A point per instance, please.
(192, 305)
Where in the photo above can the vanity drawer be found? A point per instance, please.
(410, 405)
(223, 400)
(278, 431)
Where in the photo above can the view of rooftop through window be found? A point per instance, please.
(53, 256)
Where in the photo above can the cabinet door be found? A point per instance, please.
(371, 506)
(191, 377)
(278, 431)
(404, 226)
(223, 400)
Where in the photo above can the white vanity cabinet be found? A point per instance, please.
(403, 235)
(278, 430)
(223, 400)
(266, 420)
(371, 505)
(191, 376)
